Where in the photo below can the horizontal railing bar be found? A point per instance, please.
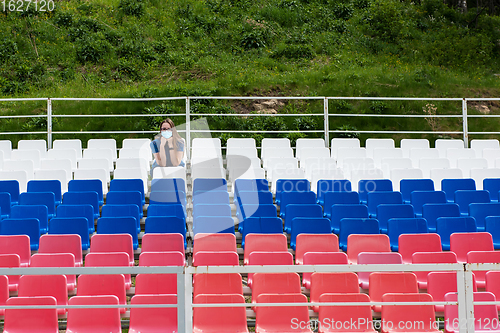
(25, 116)
(258, 114)
(91, 270)
(118, 99)
(115, 115)
(399, 98)
(483, 266)
(251, 305)
(259, 131)
(393, 115)
(482, 99)
(107, 132)
(23, 99)
(396, 132)
(256, 97)
(483, 116)
(91, 306)
(6, 133)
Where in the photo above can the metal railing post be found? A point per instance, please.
(188, 127)
(326, 123)
(181, 303)
(465, 299)
(465, 123)
(49, 123)
(188, 300)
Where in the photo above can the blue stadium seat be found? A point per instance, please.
(168, 184)
(299, 210)
(53, 186)
(389, 211)
(308, 197)
(12, 187)
(128, 185)
(350, 226)
(492, 225)
(84, 185)
(465, 197)
(167, 197)
(71, 225)
(22, 226)
(86, 211)
(247, 211)
(419, 198)
(399, 226)
(211, 210)
(261, 225)
(289, 185)
(32, 211)
(445, 226)
(166, 225)
(110, 210)
(366, 186)
(331, 185)
(211, 197)
(308, 225)
(431, 212)
(118, 225)
(250, 185)
(124, 198)
(209, 184)
(340, 211)
(83, 198)
(213, 224)
(406, 186)
(5, 204)
(176, 210)
(492, 185)
(253, 198)
(382, 197)
(334, 198)
(40, 198)
(449, 186)
(479, 211)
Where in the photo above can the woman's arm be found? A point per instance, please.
(161, 157)
(175, 154)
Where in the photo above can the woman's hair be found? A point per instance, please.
(175, 135)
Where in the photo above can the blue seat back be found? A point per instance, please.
(118, 225)
(247, 211)
(5, 204)
(382, 197)
(308, 197)
(32, 211)
(124, 198)
(351, 225)
(211, 210)
(128, 185)
(12, 187)
(209, 184)
(463, 198)
(167, 197)
(83, 198)
(331, 185)
(250, 185)
(290, 185)
(399, 226)
(84, 185)
(445, 226)
(431, 212)
(492, 185)
(479, 211)
(261, 225)
(389, 211)
(334, 198)
(39, 198)
(211, 197)
(340, 211)
(110, 210)
(419, 198)
(301, 210)
(253, 198)
(84, 210)
(308, 225)
(492, 225)
(449, 186)
(406, 186)
(168, 184)
(166, 224)
(22, 226)
(213, 224)
(53, 186)
(71, 225)
(176, 209)
(366, 186)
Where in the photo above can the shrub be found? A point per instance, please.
(132, 7)
(63, 19)
(91, 49)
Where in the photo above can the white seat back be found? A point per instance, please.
(103, 144)
(40, 145)
(75, 144)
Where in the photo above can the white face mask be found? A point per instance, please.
(166, 134)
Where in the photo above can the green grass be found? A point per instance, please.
(152, 48)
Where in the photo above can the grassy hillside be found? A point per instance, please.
(147, 48)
